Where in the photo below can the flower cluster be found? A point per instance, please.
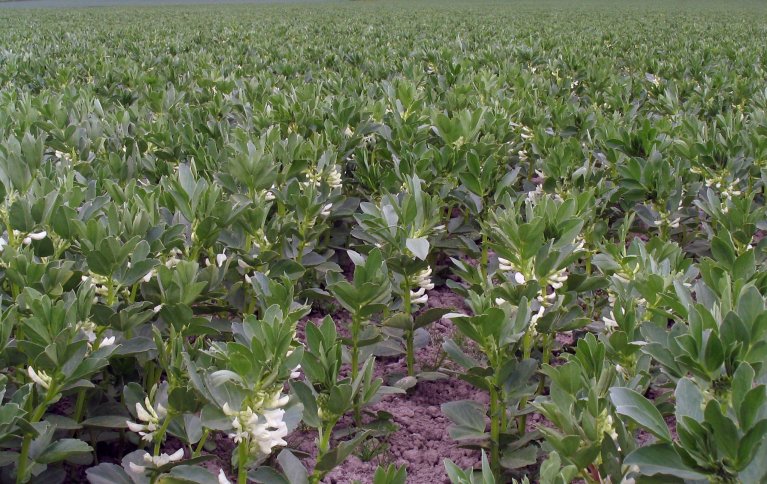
(156, 461)
(150, 417)
(40, 377)
(220, 260)
(98, 282)
(423, 281)
(26, 240)
(264, 429)
(176, 256)
(506, 266)
(334, 178)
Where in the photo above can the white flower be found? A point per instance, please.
(505, 264)
(519, 278)
(107, 342)
(420, 300)
(423, 280)
(220, 259)
(269, 196)
(271, 433)
(416, 294)
(38, 235)
(348, 132)
(334, 179)
(278, 400)
(500, 301)
(610, 322)
(147, 413)
(26, 240)
(148, 276)
(247, 279)
(41, 377)
(157, 308)
(162, 459)
(534, 320)
(526, 133)
(3, 243)
(265, 431)
(326, 210)
(222, 479)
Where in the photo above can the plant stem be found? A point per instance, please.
(409, 335)
(527, 346)
(242, 457)
(483, 261)
(322, 449)
(201, 443)
(22, 467)
(546, 357)
(80, 405)
(495, 433)
(356, 326)
(161, 434)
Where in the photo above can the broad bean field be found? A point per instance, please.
(384, 242)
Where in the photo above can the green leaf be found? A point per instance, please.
(106, 473)
(399, 321)
(661, 459)
(514, 459)
(636, 407)
(429, 316)
(468, 418)
(309, 401)
(340, 452)
(419, 247)
(107, 422)
(63, 449)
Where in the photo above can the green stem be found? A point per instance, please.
(495, 433)
(22, 467)
(160, 437)
(483, 262)
(546, 358)
(356, 327)
(38, 413)
(322, 449)
(80, 405)
(527, 346)
(242, 457)
(201, 443)
(110, 291)
(409, 336)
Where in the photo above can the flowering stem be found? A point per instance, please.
(80, 405)
(409, 337)
(242, 457)
(483, 261)
(38, 413)
(160, 437)
(410, 353)
(110, 291)
(322, 448)
(356, 327)
(495, 432)
(527, 344)
(201, 443)
(547, 347)
(22, 467)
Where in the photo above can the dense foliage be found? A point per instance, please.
(182, 186)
